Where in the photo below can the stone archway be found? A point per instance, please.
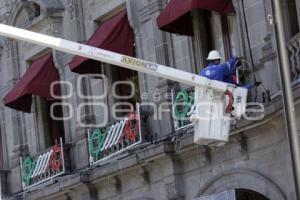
(243, 194)
(35, 8)
(242, 179)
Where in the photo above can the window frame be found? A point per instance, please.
(44, 124)
(111, 100)
(41, 124)
(209, 44)
(291, 16)
(106, 70)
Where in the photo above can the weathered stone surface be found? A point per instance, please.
(256, 157)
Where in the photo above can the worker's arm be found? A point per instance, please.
(229, 79)
(250, 86)
(229, 68)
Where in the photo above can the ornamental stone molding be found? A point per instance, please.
(35, 9)
(242, 179)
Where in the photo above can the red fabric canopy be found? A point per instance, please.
(176, 17)
(114, 35)
(36, 81)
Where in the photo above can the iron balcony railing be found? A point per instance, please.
(43, 167)
(105, 143)
(294, 56)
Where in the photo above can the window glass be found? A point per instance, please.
(289, 12)
(49, 130)
(292, 16)
(124, 89)
(220, 33)
(99, 89)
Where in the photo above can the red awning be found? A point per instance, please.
(36, 81)
(176, 17)
(114, 35)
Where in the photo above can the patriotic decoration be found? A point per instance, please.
(43, 167)
(182, 103)
(107, 142)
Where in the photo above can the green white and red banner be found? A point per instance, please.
(106, 142)
(42, 167)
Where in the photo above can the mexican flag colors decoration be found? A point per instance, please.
(43, 167)
(104, 143)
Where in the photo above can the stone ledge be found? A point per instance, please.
(140, 156)
(62, 185)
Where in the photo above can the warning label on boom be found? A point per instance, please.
(139, 63)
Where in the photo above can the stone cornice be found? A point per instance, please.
(148, 10)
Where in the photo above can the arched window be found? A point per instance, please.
(243, 194)
(237, 194)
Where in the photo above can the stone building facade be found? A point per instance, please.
(165, 165)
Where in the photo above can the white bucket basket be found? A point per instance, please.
(240, 101)
(211, 116)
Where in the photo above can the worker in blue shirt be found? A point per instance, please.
(222, 72)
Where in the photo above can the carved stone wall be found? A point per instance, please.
(257, 159)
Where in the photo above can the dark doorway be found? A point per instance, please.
(243, 194)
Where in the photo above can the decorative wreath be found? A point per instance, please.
(97, 140)
(56, 159)
(131, 127)
(28, 166)
(185, 99)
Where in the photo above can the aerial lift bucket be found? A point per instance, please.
(213, 112)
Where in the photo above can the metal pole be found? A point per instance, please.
(287, 94)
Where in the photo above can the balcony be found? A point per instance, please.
(294, 56)
(43, 167)
(105, 143)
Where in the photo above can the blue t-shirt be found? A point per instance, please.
(221, 72)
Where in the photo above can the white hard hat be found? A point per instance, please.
(213, 55)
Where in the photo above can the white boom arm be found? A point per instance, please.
(111, 58)
(209, 91)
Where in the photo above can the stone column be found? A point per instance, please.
(153, 45)
(17, 118)
(171, 170)
(76, 135)
(201, 42)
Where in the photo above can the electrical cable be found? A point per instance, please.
(248, 39)
(249, 46)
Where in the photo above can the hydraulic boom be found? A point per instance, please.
(111, 57)
(208, 91)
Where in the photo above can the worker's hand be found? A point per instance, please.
(239, 61)
(257, 83)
